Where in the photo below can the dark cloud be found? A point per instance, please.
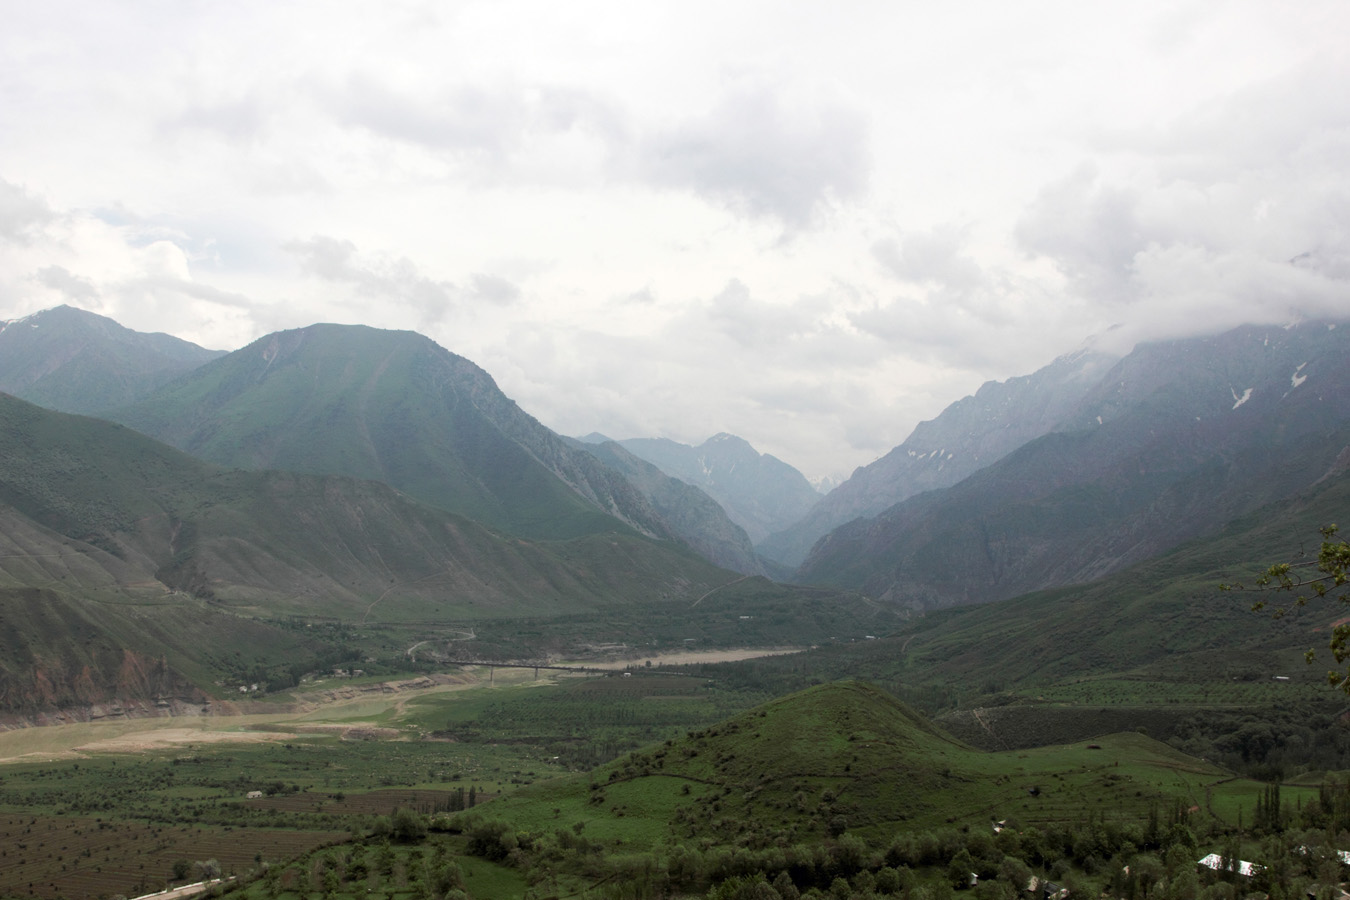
(493, 289)
(238, 119)
(337, 261)
(936, 257)
(196, 290)
(1091, 230)
(326, 257)
(1291, 123)
(644, 297)
(464, 118)
(1237, 211)
(59, 278)
(484, 123)
(399, 279)
(21, 213)
(766, 155)
(756, 323)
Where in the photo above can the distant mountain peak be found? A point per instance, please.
(73, 360)
(967, 436)
(759, 492)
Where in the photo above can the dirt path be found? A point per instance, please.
(469, 635)
(376, 601)
(689, 657)
(716, 589)
(187, 890)
(979, 717)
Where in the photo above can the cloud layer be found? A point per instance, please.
(807, 228)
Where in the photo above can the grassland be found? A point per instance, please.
(806, 762)
(679, 761)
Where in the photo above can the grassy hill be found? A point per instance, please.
(846, 757)
(842, 788)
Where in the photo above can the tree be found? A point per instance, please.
(181, 868)
(407, 826)
(1328, 576)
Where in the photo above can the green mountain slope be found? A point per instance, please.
(289, 542)
(75, 361)
(1151, 618)
(95, 513)
(693, 516)
(1153, 645)
(393, 407)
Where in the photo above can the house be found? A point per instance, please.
(1215, 862)
(254, 795)
(1046, 890)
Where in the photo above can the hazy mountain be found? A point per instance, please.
(75, 361)
(1152, 615)
(1174, 441)
(392, 406)
(968, 435)
(760, 493)
(115, 544)
(691, 514)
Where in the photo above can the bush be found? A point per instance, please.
(491, 840)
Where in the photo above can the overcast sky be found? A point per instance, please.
(809, 224)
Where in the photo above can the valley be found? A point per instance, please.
(334, 612)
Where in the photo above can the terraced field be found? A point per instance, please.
(79, 857)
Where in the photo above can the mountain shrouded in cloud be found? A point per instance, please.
(1171, 443)
(969, 435)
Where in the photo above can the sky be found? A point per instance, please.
(809, 225)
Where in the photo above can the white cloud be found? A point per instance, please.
(766, 153)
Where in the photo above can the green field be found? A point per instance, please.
(590, 782)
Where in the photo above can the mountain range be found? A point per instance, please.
(759, 492)
(1171, 443)
(117, 529)
(74, 361)
(351, 474)
(972, 433)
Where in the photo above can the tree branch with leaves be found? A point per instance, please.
(1327, 576)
